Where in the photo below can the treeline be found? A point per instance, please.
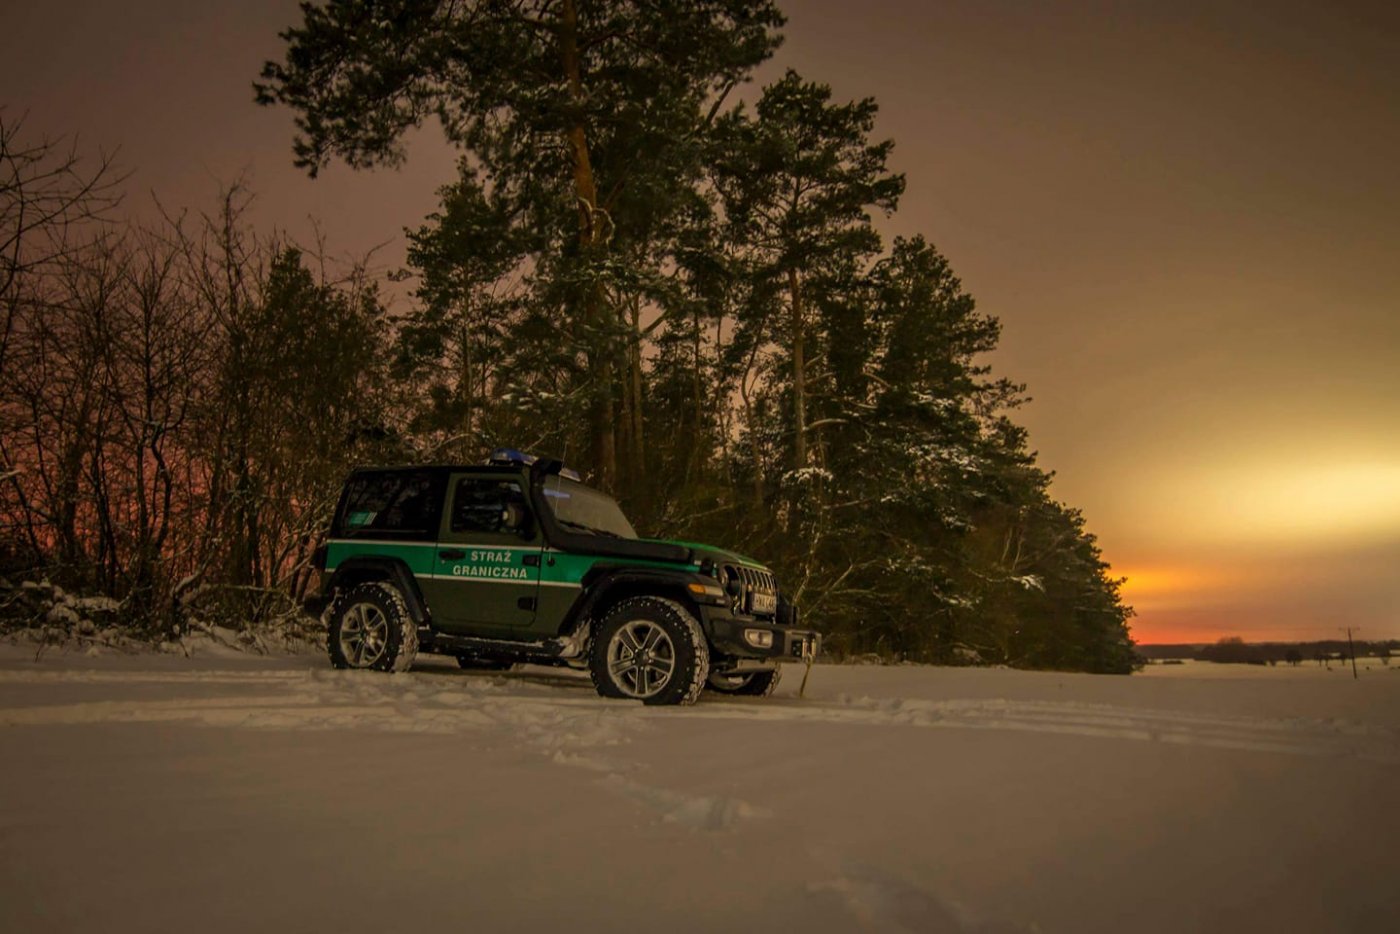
(682, 294)
(1234, 650)
(179, 401)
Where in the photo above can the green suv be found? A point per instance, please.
(518, 561)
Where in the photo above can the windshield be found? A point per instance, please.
(583, 509)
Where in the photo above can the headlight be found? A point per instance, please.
(733, 583)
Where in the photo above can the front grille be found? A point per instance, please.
(762, 581)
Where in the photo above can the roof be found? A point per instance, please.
(447, 468)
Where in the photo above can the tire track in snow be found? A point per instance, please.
(148, 677)
(880, 901)
(567, 731)
(1291, 736)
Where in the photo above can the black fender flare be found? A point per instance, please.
(600, 582)
(359, 568)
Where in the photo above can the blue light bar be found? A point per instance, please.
(511, 456)
(514, 458)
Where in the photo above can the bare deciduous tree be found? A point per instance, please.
(49, 197)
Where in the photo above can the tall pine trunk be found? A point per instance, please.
(466, 379)
(637, 451)
(602, 432)
(799, 374)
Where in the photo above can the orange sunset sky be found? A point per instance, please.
(1186, 216)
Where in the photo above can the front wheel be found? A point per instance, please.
(370, 627)
(753, 684)
(650, 649)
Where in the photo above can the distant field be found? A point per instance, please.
(1198, 669)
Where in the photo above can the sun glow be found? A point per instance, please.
(1155, 587)
(1335, 501)
(1278, 502)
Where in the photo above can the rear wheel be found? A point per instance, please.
(753, 684)
(650, 649)
(369, 627)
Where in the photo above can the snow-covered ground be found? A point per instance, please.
(237, 793)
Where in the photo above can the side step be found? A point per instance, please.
(551, 651)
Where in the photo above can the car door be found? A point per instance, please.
(487, 575)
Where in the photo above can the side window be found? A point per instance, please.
(480, 504)
(403, 504)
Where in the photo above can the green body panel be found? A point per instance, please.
(473, 594)
(483, 583)
(561, 582)
(491, 587)
(570, 568)
(419, 556)
(478, 594)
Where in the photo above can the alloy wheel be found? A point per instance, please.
(364, 634)
(641, 658)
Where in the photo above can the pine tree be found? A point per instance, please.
(800, 179)
(906, 457)
(454, 346)
(580, 117)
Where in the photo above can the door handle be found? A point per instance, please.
(530, 561)
(452, 554)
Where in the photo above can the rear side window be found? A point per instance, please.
(393, 504)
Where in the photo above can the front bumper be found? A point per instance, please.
(789, 645)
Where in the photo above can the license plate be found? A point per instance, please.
(763, 603)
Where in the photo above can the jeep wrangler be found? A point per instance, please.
(519, 561)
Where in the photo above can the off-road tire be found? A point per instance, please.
(691, 653)
(756, 684)
(400, 639)
(472, 663)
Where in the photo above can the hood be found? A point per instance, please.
(702, 551)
